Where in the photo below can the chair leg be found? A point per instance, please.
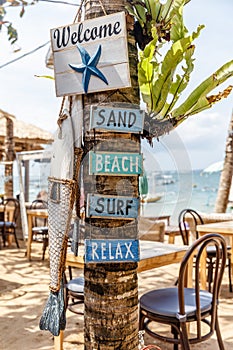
(175, 334)
(229, 273)
(141, 321)
(45, 245)
(16, 239)
(184, 337)
(4, 237)
(219, 336)
(66, 296)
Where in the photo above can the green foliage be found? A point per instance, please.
(166, 62)
(11, 31)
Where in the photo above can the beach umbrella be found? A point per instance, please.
(214, 168)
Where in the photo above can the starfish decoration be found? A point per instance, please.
(88, 66)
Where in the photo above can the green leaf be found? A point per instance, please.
(178, 30)
(44, 76)
(174, 56)
(220, 76)
(12, 34)
(181, 82)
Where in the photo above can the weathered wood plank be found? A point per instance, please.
(111, 250)
(116, 119)
(70, 83)
(112, 206)
(109, 163)
(91, 56)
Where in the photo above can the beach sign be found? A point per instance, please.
(116, 207)
(114, 119)
(91, 56)
(109, 163)
(111, 250)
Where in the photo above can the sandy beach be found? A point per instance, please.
(24, 291)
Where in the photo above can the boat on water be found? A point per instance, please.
(150, 199)
(165, 180)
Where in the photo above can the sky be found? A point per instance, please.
(195, 144)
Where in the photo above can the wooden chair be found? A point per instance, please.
(74, 292)
(40, 226)
(151, 229)
(8, 224)
(171, 231)
(180, 306)
(188, 236)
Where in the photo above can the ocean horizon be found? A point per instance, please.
(175, 189)
(179, 190)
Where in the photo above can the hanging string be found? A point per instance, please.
(79, 12)
(62, 116)
(103, 8)
(111, 94)
(70, 104)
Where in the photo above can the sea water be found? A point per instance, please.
(194, 189)
(177, 190)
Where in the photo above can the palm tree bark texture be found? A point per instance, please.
(226, 175)
(111, 289)
(9, 157)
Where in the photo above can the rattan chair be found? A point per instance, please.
(40, 225)
(180, 306)
(187, 238)
(8, 224)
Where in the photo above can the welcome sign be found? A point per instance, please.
(91, 56)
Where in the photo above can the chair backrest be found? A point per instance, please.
(184, 227)
(151, 229)
(197, 249)
(39, 204)
(11, 209)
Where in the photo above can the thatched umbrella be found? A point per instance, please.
(18, 136)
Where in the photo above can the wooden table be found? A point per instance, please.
(152, 255)
(39, 213)
(224, 228)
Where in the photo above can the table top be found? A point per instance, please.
(152, 255)
(223, 227)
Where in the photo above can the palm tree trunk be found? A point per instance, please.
(111, 289)
(9, 157)
(226, 175)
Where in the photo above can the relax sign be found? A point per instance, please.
(111, 250)
(112, 206)
(91, 56)
(108, 163)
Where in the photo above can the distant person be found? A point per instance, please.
(43, 195)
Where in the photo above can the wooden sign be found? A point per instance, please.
(91, 56)
(108, 163)
(112, 206)
(117, 119)
(111, 250)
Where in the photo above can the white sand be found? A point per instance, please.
(24, 291)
